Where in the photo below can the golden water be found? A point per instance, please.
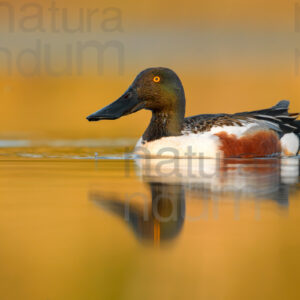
(76, 227)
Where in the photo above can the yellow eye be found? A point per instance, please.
(156, 79)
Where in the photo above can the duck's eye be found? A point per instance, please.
(156, 79)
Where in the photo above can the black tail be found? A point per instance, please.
(280, 116)
(297, 123)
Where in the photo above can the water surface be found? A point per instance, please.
(90, 222)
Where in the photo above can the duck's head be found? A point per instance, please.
(156, 89)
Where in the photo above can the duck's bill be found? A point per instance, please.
(125, 105)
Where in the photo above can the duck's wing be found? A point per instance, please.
(277, 118)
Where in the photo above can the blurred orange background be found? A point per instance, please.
(231, 56)
(58, 244)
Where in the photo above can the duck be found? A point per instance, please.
(271, 132)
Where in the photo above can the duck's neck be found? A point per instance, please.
(163, 124)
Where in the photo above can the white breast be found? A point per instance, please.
(192, 145)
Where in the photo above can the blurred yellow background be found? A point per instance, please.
(231, 56)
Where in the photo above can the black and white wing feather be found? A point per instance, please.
(276, 118)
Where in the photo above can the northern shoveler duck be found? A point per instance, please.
(261, 133)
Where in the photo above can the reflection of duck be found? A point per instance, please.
(249, 134)
(161, 220)
(249, 178)
(171, 182)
